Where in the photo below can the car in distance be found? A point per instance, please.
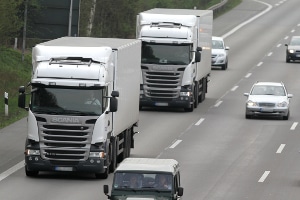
(219, 53)
(268, 99)
(293, 49)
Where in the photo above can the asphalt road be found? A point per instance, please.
(222, 155)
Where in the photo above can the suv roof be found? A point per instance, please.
(149, 164)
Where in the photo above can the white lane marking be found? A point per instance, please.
(286, 37)
(292, 31)
(12, 170)
(234, 88)
(248, 75)
(259, 64)
(199, 122)
(280, 149)
(248, 21)
(279, 45)
(264, 176)
(270, 53)
(175, 144)
(218, 103)
(293, 127)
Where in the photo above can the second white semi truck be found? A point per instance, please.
(84, 104)
(176, 56)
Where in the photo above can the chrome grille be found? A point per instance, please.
(163, 85)
(267, 104)
(65, 142)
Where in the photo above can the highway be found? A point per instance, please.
(223, 156)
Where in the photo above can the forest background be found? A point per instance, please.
(110, 19)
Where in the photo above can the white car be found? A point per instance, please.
(268, 99)
(219, 53)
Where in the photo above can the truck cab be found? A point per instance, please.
(148, 178)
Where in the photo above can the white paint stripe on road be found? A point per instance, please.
(199, 122)
(218, 103)
(234, 88)
(293, 127)
(248, 75)
(279, 45)
(12, 170)
(264, 176)
(175, 144)
(270, 53)
(259, 64)
(292, 31)
(286, 37)
(280, 149)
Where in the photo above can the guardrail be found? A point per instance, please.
(218, 6)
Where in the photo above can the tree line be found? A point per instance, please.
(98, 18)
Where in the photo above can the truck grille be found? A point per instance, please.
(162, 85)
(65, 142)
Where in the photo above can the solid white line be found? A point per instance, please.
(281, 147)
(248, 21)
(175, 144)
(199, 122)
(259, 64)
(218, 103)
(293, 127)
(11, 170)
(248, 75)
(264, 176)
(234, 88)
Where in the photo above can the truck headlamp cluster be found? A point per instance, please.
(97, 155)
(32, 152)
(185, 94)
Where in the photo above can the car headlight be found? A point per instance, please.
(222, 55)
(282, 104)
(291, 51)
(251, 103)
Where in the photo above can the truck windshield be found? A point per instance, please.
(143, 181)
(62, 101)
(169, 54)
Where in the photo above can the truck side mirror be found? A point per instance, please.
(22, 97)
(197, 56)
(106, 191)
(180, 191)
(113, 104)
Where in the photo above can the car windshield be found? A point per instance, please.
(268, 90)
(151, 181)
(295, 42)
(217, 44)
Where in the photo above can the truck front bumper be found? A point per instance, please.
(181, 102)
(92, 165)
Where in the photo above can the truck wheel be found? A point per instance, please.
(31, 173)
(102, 175)
(113, 161)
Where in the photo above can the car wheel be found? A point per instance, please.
(247, 116)
(288, 60)
(286, 117)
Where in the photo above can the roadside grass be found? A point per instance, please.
(13, 73)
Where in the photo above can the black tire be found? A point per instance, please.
(196, 95)
(113, 161)
(247, 116)
(31, 173)
(286, 117)
(287, 60)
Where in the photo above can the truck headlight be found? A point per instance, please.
(185, 94)
(97, 155)
(32, 152)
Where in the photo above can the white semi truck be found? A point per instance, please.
(84, 104)
(176, 56)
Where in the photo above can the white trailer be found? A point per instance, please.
(69, 130)
(173, 72)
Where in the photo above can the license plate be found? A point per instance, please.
(266, 109)
(65, 169)
(161, 104)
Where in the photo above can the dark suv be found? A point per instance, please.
(293, 49)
